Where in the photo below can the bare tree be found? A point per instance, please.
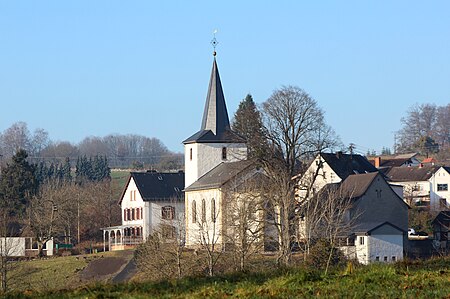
(163, 254)
(244, 217)
(327, 215)
(14, 138)
(209, 233)
(295, 129)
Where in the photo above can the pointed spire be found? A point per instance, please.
(215, 123)
(215, 115)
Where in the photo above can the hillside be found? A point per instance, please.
(429, 279)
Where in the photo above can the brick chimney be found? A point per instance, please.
(377, 162)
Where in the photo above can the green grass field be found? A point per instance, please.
(429, 279)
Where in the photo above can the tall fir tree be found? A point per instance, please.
(17, 183)
(247, 122)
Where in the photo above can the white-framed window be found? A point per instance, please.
(168, 212)
(361, 240)
(442, 187)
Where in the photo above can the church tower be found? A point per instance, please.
(215, 142)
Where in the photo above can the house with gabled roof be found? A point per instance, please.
(424, 186)
(150, 201)
(378, 217)
(328, 168)
(401, 160)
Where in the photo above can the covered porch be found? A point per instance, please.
(122, 237)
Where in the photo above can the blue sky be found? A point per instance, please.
(92, 68)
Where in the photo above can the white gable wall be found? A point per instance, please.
(441, 177)
(132, 199)
(206, 156)
(326, 175)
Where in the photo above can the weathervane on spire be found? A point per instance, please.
(214, 42)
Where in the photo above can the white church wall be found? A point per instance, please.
(196, 227)
(206, 156)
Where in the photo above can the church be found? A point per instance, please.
(216, 171)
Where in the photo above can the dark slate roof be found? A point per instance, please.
(408, 174)
(368, 227)
(219, 175)
(442, 218)
(447, 168)
(348, 164)
(154, 186)
(215, 124)
(356, 185)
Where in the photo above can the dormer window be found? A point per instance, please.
(224, 153)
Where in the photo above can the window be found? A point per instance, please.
(168, 231)
(128, 214)
(213, 210)
(168, 212)
(385, 259)
(138, 213)
(361, 240)
(194, 212)
(442, 187)
(224, 153)
(393, 258)
(203, 210)
(125, 215)
(142, 215)
(190, 154)
(133, 215)
(377, 259)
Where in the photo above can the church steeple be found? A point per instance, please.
(215, 115)
(215, 123)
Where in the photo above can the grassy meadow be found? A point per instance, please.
(407, 279)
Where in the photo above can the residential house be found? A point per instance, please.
(424, 186)
(441, 228)
(402, 160)
(329, 168)
(376, 222)
(151, 201)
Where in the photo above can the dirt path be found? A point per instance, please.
(127, 272)
(105, 268)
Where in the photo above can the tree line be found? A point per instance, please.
(122, 151)
(426, 130)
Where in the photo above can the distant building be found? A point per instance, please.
(151, 201)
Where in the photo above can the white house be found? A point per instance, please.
(150, 201)
(440, 192)
(378, 243)
(425, 186)
(377, 220)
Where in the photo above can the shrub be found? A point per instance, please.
(323, 255)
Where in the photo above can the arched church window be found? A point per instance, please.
(213, 210)
(203, 210)
(194, 212)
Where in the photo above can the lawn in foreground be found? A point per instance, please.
(430, 279)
